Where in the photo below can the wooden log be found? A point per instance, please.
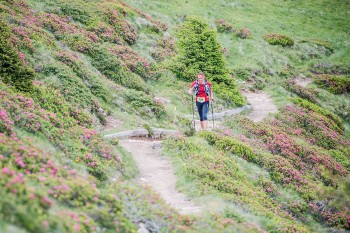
(157, 133)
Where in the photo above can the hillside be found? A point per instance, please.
(74, 71)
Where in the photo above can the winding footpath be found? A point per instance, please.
(262, 105)
(156, 170)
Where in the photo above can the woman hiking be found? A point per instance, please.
(204, 96)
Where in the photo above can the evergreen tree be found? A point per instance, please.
(199, 50)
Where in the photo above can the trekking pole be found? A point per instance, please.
(194, 123)
(212, 113)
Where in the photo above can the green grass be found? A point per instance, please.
(297, 19)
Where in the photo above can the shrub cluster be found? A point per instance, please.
(303, 92)
(316, 108)
(64, 126)
(12, 70)
(315, 164)
(281, 170)
(336, 84)
(144, 104)
(216, 172)
(131, 61)
(165, 49)
(278, 39)
(243, 33)
(224, 26)
(318, 42)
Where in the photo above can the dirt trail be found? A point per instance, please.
(262, 105)
(156, 171)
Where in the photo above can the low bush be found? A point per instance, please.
(144, 104)
(223, 26)
(318, 42)
(70, 85)
(165, 49)
(243, 33)
(12, 70)
(217, 173)
(316, 108)
(280, 169)
(303, 92)
(277, 39)
(108, 65)
(64, 126)
(334, 83)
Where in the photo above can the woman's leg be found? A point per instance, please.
(205, 109)
(200, 112)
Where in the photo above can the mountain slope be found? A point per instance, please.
(71, 69)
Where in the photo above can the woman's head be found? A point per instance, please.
(201, 76)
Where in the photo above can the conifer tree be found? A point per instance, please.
(199, 50)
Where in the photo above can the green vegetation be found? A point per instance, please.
(334, 84)
(277, 39)
(13, 71)
(200, 51)
(72, 71)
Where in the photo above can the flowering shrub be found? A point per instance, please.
(280, 169)
(121, 26)
(243, 33)
(223, 26)
(165, 49)
(133, 62)
(277, 39)
(330, 217)
(67, 130)
(12, 70)
(106, 32)
(333, 83)
(303, 92)
(302, 156)
(215, 172)
(315, 108)
(74, 36)
(316, 128)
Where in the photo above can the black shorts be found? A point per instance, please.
(203, 110)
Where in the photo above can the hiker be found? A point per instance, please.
(204, 96)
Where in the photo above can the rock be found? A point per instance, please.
(142, 228)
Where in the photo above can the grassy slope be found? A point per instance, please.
(244, 205)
